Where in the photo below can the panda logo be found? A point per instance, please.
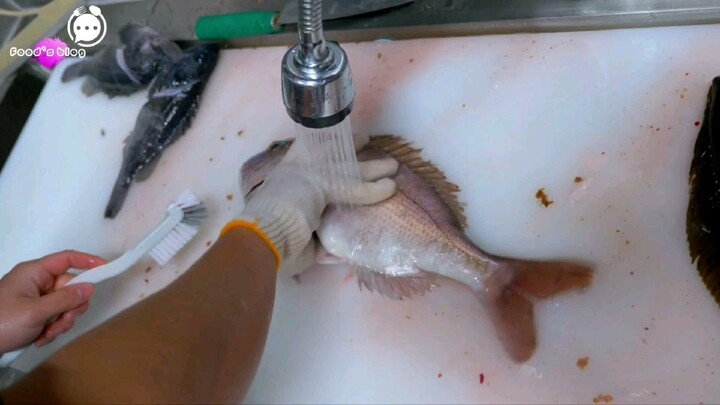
(87, 26)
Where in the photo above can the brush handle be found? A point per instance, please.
(121, 264)
(127, 260)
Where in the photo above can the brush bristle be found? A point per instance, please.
(193, 213)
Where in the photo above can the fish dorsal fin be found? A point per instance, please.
(400, 150)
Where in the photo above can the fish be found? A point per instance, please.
(173, 100)
(403, 246)
(702, 222)
(125, 69)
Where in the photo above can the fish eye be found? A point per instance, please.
(255, 187)
(279, 144)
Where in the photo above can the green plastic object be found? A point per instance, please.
(236, 25)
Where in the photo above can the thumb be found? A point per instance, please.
(62, 300)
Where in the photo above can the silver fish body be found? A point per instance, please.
(405, 235)
(400, 247)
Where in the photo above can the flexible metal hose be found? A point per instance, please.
(316, 80)
(310, 30)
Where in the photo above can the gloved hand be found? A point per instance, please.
(35, 305)
(287, 207)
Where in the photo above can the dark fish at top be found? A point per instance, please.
(125, 69)
(703, 214)
(173, 100)
(401, 246)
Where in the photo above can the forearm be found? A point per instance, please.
(198, 340)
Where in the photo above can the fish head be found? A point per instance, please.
(132, 33)
(200, 60)
(146, 51)
(256, 169)
(189, 73)
(143, 44)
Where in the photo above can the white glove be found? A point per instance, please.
(287, 207)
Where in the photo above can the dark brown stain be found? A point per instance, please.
(543, 198)
(583, 362)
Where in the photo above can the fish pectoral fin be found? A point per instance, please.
(322, 256)
(147, 170)
(125, 143)
(76, 70)
(90, 87)
(395, 288)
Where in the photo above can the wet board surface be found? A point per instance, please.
(503, 116)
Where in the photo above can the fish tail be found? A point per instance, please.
(117, 197)
(511, 290)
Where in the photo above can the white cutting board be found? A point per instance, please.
(503, 116)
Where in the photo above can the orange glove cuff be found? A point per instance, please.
(239, 224)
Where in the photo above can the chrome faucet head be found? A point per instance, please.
(317, 85)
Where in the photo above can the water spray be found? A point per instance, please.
(318, 93)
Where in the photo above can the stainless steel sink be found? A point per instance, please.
(428, 18)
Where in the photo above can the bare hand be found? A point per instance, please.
(34, 306)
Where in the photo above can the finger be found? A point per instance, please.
(377, 169)
(59, 263)
(360, 140)
(62, 280)
(62, 300)
(61, 325)
(43, 271)
(43, 340)
(75, 313)
(50, 333)
(371, 193)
